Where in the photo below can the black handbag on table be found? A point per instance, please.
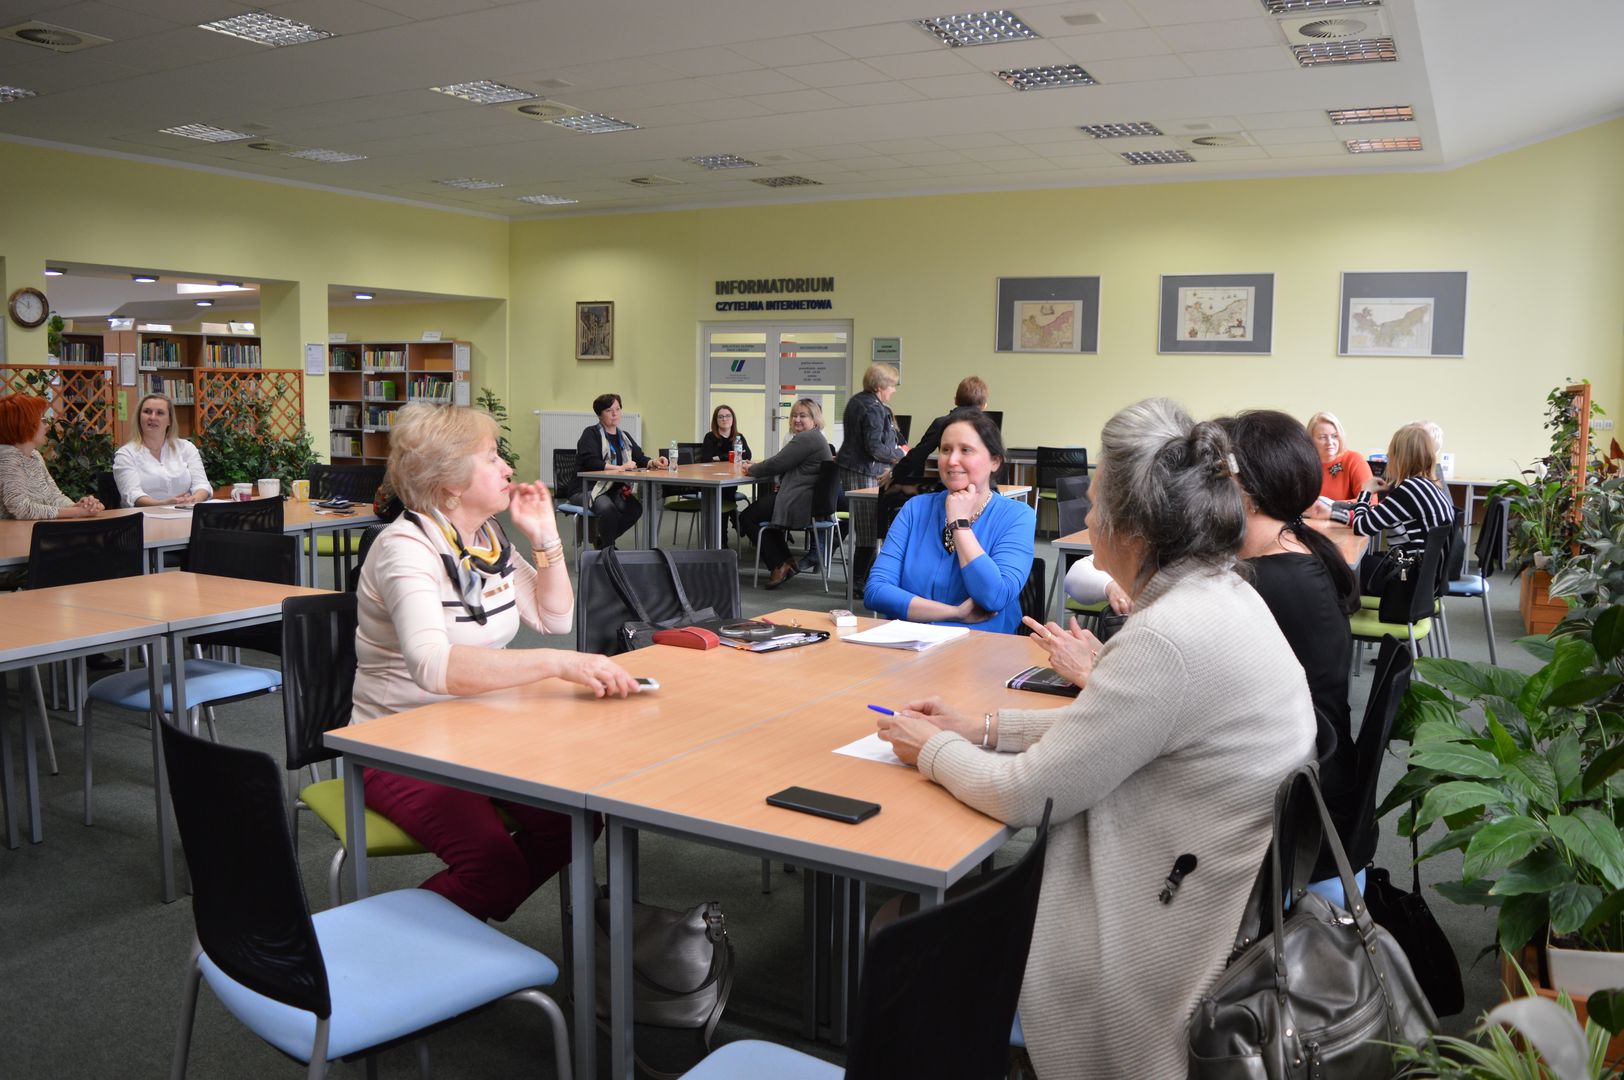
(1406, 916)
(624, 596)
(1318, 993)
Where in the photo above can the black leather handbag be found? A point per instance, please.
(623, 597)
(1406, 916)
(1317, 993)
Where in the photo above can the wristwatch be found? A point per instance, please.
(961, 523)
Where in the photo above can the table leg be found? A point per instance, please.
(355, 825)
(712, 500)
(5, 772)
(160, 771)
(313, 564)
(31, 779)
(583, 900)
(622, 1062)
(651, 513)
(177, 679)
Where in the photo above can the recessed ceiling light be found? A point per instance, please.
(722, 161)
(593, 123)
(145, 279)
(1122, 130)
(1047, 77)
(363, 296)
(186, 288)
(205, 133)
(547, 200)
(263, 28)
(326, 157)
(1382, 146)
(785, 181)
(1381, 114)
(204, 303)
(484, 92)
(1309, 7)
(1364, 51)
(229, 284)
(977, 28)
(471, 183)
(54, 271)
(1157, 157)
(15, 93)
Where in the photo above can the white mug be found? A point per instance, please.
(267, 488)
(242, 492)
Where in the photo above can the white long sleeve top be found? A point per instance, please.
(176, 471)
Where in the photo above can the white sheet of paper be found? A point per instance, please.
(871, 748)
(901, 634)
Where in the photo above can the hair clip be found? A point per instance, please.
(1234, 469)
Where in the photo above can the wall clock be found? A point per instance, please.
(28, 307)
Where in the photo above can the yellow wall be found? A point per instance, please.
(1540, 230)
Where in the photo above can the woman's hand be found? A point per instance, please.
(934, 710)
(1319, 508)
(907, 734)
(1120, 601)
(969, 612)
(962, 504)
(1071, 653)
(531, 509)
(1375, 485)
(601, 675)
(661, 462)
(90, 505)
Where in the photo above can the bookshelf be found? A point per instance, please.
(168, 363)
(368, 382)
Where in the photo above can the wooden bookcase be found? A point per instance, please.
(368, 382)
(169, 363)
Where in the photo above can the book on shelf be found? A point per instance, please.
(344, 416)
(384, 360)
(161, 353)
(232, 354)
(345, 360)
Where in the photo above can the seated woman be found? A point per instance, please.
(962, 555)
(442, 593)
(1413, 501)
(155, 468)
(1345, 471)
(603, 447)
(1189, 720)
(718, 441)
(790, 505)
(27, 491)
(971, 394)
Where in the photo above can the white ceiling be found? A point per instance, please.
(849, 93)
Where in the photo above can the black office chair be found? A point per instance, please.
(918, 971)
(340, 984)
(904, 424)
(825, 500)
(996, 416)
(252, 556)
(570, 499)
(369, 536)
(681, 499)
(107, 490)
(1035, 596)
(256, 515)
(357, 483)
(1053, 462)
(1492, 541)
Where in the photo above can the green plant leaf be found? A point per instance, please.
(1441, 731)
(1457, 758)
(1529, 773)
(1470, 893)
(1505, 748)
(1606, 763)
(1606, 911)
(1454, 839)
(1606, 1008)
(1571, 905)
(1521, 917)
(1501, 843)
(1469, 679)
(1579, 691)
(1607, 635)
(1412, 785)
(1455, 796)
(1592, 836)
(1542, 871)
(1564, 754)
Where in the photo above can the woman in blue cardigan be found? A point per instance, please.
(961, 556)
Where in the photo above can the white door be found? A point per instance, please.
(741, 361)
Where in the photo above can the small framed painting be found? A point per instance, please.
(1048, 315)
(1216, 313)
(595, 330)
(1403, 313)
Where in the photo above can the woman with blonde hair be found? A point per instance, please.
(441, 595)
(27, 491)
(1412, 500)
(796, 466)
(1343, 471)
(870, 443)
(155, 468)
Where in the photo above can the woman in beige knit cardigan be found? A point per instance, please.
(1188, 719)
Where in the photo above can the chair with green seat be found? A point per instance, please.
(684, 500)
(1407, 602)
(357, 483)
(1053, 462)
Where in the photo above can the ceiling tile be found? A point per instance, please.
(902, 146)
(677, 92)
(754, 82)
(952, 86)
(882, 93)
(697, 63)
(1013, 54)
(780, 52)
(1241, 61)
(1033, 136)
(968, 168)
(431, 9)
(1229, 34)
(921, 65)
(660, 116)
(931, 157)
(971, 140)
(339, 16)
(1113, 46)
(1172, 12)
(1297, 150)
(797, 101)
(1114, 15)
(609, 73)
(727, 109)
(884, 40)
(1025, 166)
(1229, 153)
(105, 20)
(1139, 69)
(999, 153)
(1285, 136)
(838, 73)
(1274, 120)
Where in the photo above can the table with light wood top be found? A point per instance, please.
(161, 533)
(711, 478)
(306, 517)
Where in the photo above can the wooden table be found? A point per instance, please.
(712, 479)
(1349, 543)
(650, 762)
(307, 517)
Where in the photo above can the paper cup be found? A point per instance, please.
(268, 488)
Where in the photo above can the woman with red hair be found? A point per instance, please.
(26, 488)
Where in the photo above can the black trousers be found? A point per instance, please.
(774, 542)
(615, 513)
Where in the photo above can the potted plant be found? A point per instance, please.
(234, 451)
(492, 404)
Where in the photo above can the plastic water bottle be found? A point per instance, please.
(671, 457)
(738, 450)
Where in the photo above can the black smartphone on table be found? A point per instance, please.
(823, 804)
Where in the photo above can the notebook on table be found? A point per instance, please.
(1043, 680)
(901, 634)
(758, 635)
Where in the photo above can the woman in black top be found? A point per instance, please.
(1413, 501)
(1302, 577)
(716, 446)
(603, 447)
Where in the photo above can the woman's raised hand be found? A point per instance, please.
(531, 509)
(961, 504)
(1071, 652)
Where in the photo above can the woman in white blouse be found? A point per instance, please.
(155, 468)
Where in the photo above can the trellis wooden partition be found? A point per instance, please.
(79, 395)
(242, 392)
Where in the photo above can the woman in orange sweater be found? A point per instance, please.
(1344, 471)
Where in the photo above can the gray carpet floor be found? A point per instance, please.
(91, 961)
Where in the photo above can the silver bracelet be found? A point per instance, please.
(986, 730)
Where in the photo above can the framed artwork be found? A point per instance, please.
(1048, 315)
(1216, 313)
(595, 330)
(1402, 313)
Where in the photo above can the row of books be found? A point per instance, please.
(344, 416)
(345, 446)
(234, 354)
(346, 360)
(180, 391)
(160, 354)
(381, 418)
(435, 390)
(79, 352)
(384, 359)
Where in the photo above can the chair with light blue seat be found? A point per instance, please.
(343, 983)
(1492, 541)
(920, 970)
(825, 497)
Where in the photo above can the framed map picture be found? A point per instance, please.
(1048, 315)
(1216, 313)
(595, 330)
(1403, 313)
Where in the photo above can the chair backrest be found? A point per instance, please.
(1054, 462)
(688, 452)
(996, 416)
(107, 490)
(563, 473)
(1393, 667)
(826, 493)
(318, 672)
(1034, 597)
(247, 899)
(904, 423)
(922, 968)
(357, 483)
(368, 536)
(255, 515)
(1492, 538)
(252, 556)
(1409, 598)
(1072, 502)
(95, 549)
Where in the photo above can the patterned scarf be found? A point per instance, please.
(470, 566)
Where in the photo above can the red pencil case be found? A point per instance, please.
(687, 637)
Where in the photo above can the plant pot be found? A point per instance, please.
(1540, 613)
(1584, 971)
(1528, 960)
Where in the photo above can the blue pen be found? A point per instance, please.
(882, 710)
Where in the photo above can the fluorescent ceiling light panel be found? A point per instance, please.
(15, 93)
(363, 296)
(722, 161)
(1365, 51)
(1313, 7)
(593, 123)
(263, 28)
(471, 183)
(184, 288)
(54, 271)
(1122, 130)
(1381, 114)
(548, 200)
(785, 181)
(325, 157)
(977, 28)
(485, 92)
(1383, 146)
(1047, 77)
(205, 133)
(1157, 157)
(145, 279)
(204, 303)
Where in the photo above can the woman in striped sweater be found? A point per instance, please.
(1412, 499)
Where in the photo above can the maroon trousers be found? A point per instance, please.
(489, 872)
